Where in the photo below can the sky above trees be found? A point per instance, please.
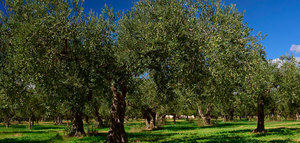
(277, 18)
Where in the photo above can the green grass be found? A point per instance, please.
(183, 131)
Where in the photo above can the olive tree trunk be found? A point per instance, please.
(116, 133)
(7, 123)
(98, 117)
(260, 116)
(77, 123)
(29, 122)
(150, 118)
(205, 116)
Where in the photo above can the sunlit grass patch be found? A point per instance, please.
(182, 131)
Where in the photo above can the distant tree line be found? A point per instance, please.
(184, 57)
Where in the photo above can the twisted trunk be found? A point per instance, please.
(224, 118)
(150, 118)
(174, 118)
(273, 116)
(260, 116)
(19, 120)
(59, 119)
(98, 117)
(116, 133)
(87, 119)
(29, 122)
(7, 123)
(77, 123)
(205, 116)
(231, 114)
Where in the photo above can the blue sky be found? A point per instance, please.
(279, 19)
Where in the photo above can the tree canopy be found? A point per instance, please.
(183, 57)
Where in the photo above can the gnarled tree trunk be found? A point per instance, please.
(150, 118)
(231, 114)
(205, 116)
(29, 122)
(260, 116)
(87, 119)
(77, 123)
(116, 133)
(98, 117)
(225, 118)
(7, 123)
(67, 122)
(174, 118)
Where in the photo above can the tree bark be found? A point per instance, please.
(55, 121)
(153, 121)
(100, 121)
(32, 120)
(98, 117)
(67, 122)
(150, 118)
(162, 119)
(174, 118)
(19, 120)
(77, 123)
(208, 117)
(272, 115)
(150, 122)
(29, 123)
(224, 118)
(87, 119)
(7, 123)
(260, 116)
(59, 120)
(116, 133)
(231, 115)
(205, 117)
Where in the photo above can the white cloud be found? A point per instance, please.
(280, 62)
(277, 61)
(295, 48)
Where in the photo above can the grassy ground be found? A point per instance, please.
(183, 131)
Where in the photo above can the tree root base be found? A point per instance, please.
(77, 134)
(259, 131)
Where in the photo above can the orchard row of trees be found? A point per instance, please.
(183, 57)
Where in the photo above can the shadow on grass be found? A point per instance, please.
(135, 124)
(230, 137)
(223, 139)
(148, 136)
(184, 126)
(133, 137)
(35, 127)
(26, 132)
(279, 131)
(281, 141)
(15, 127)
(95, 138)
(216, 138)
(28, 140)
(41, 127)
